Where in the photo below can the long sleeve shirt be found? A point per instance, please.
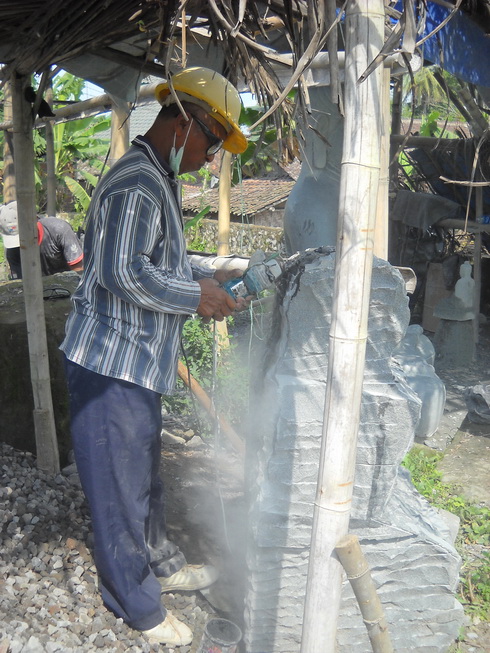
(138, 285)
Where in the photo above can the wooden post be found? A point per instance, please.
(382, 211)
(8, 155)
(44, 426)
(50, 161)
(8, 164)
(224, 204)
(477, 261)
(396, 123)
(364, 27)
(224, 229)
(119, 129)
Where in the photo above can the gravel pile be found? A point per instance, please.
(48, 585)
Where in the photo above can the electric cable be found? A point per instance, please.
(189, 385)
(217, 436)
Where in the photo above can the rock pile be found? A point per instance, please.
(49, 600)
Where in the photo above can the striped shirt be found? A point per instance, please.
(137, 288)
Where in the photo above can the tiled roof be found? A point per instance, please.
(247, 198)
(142, 118)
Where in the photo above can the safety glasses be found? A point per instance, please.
(215, 143)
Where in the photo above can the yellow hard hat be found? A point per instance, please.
(221, 99)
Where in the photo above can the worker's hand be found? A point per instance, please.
(242, 303)
(227, 275)
(215, 302)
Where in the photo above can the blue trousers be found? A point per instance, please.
(115, 429)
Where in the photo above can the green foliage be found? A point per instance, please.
(230, 386)
(268, 144)
(82, 198)
(203, 175)
(80, 194)
(474, 590)
(427, 95)
(474, 526)
(3, 264)
(68, 87)
(429, 127)
(197, 340)
(79, 150)
(194, 233)
(197, 242)
(194, 222)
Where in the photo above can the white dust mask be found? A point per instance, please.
(175, 158)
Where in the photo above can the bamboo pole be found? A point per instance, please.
(207, 404)
(86, 108)
(8, 161)
(224, 205)
(224, 229)
(119, 129)
(359, 576)
(44, 426)
(8, 154)
(477, 249)
(382, 230)
(364, 27)
(50, 161)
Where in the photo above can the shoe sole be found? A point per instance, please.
(186, 588)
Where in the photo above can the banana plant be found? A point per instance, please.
(80, 146)
(79, 152)
(269, 144)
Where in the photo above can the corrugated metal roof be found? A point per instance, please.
(248, 198)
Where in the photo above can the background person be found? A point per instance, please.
(122, 345)
(59, 247)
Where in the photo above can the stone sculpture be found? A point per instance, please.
(405, 540)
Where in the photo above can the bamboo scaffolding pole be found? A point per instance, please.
(8, 160)
(207, 404)
(382, 209)
(477, 264)
(86, 108)
(44, 425)
(50, 162)
(224, 230)
(8, 155)
(224, 204)
(357, 569)
(119, 129)
(364, 27)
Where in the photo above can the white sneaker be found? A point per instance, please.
(171, 631)
(190, 577)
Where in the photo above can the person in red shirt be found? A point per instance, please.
(59, 247)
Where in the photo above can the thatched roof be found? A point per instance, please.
(146, 35)
(116, 42)
(266, 45)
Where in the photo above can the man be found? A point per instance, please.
(59, 247)
(122, 341)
